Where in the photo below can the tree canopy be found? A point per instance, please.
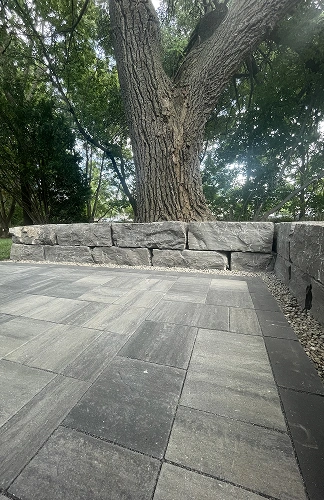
(227, 94)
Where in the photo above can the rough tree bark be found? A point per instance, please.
(167, 118)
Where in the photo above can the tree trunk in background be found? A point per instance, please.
(167, 118)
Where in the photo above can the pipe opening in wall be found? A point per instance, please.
(289, 273)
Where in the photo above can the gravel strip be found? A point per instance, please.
(309, 331)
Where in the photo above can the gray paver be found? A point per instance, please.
(26, 431)
(244, 321)
(291, 366)
(139, 298)
(70, 459)
(131, 403)
(226, 284)
(118, 319)
(104, 294)
(191, 314)
(24, 304)
(56, 348)
(24, 329)
(94, 359)
(18, 385)
(55, 309)
(247, 455)
(181, 484)
(161, 343)
(188, 292)
(232, 298)
(274, 324)
(230, 375)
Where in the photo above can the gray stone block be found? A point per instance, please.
(283, 234)
(306, 249)
(231, 236)
(68, 254)
(122, 256)
(27, 252)
(164, 235)
(190, 258)
(91, 235)
(317, 309)
(298, 284)
(251, 261)
(34, 235)
(282, 269)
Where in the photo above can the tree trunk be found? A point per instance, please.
(167, 118)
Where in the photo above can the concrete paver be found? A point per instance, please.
(149, 385)
(259, 459)
(69, 457)
(132, 403)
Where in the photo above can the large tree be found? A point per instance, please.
(167, 116)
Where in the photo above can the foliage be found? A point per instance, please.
(5, 246)
(268, 128)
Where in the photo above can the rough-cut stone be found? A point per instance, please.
(231, 236)
(68, 254)
(307, 248)
(163, 235)
(190, 258)
(122, 256)
(283, 234)
(90, 235)
(27, 252)
(249, 261)
(283, 269)
(298, 284)
(34, 235)
(317, 309)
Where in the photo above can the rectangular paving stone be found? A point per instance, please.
(227, 284)
(56, 348)
(56, 309)
(95, 280)
(25, 432)
(103, 294)
(161, 343)
(232, 298)
(140, 298)
(154, 284)
(69, 290)
(244, 321)
(24, 304)
(181, 484)
(305, 415)
(117, 319)
(291, 366)
(230, 375)
(81, 467)
(274, 324)
(24, 329)
(8, 344)
(132, 403)
(264, 301)
(250, 456)
(188, 292)
(19, 384)
(84, 314)
(94, 359)
(191, 314)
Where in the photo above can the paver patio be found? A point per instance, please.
(153, 385)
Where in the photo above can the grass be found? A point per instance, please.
(5, 246)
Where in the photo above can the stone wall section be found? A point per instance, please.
(196, 245)
(300, 263)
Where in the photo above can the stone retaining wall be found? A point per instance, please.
(300, 262)
(199, 245)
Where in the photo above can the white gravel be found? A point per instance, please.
(309, 331)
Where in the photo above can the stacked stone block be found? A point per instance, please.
(205, 245)
(300, 262)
